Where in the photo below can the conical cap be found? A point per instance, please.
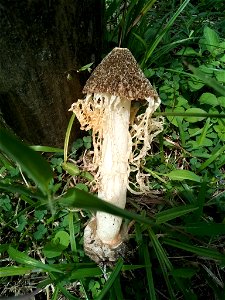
(119, 74)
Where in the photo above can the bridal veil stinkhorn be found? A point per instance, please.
(121, 139)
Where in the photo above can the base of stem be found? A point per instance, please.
(99, 251)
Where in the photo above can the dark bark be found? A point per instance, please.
(40, 42)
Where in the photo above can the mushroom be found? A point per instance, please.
(121, 139)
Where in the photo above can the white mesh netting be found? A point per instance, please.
(92, 113)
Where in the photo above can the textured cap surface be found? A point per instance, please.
(119, 74)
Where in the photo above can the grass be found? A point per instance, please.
(176, 241)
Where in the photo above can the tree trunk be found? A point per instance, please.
(41, 42)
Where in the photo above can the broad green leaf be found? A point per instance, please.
(174, 213)
(208, 98)
(62, 238)
(39, 214)
(14, 271)
(22, 222)
(220, 75)
(71, 168)
(212, 39)
(188, 51)
(82, 186)
(59, 243)
(220, 129)
(75, 198)
(183, 175)
(200, 251)
(40, 232)
(174, 120)
(193, 111)
(30, 161)
(221, 101)
(51, 250)
(87, 175)
(23, 258)
(5, 203)
(195, 84)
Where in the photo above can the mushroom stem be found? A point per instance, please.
(114, 166)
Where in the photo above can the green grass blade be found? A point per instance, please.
(23, 258)
(167, 268)
(160, 252)
(142, 13)
(208, 80)
(46, 149)
(55, 295)
(67, 294)
(173, 213)
(30, 161)
(141, 40)
(200, 201)
(164, 31)
(85, 272)
(200, 251)
(111, 279)
(117, 288)
(182, 132)
(139, 241)
(76, 198)
(160, 51)
(5, 162)
(205, 229)
(185, 114)
(163, 261)
(14, 271)
(205, 129)
(132, 267)
(72, 237)
(148, 269)
(67, 137)
(212, 158)
(21, 190)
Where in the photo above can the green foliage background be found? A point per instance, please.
(177, 242)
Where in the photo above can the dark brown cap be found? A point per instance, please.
(119, 74)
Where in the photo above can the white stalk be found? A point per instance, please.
(113, 169)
